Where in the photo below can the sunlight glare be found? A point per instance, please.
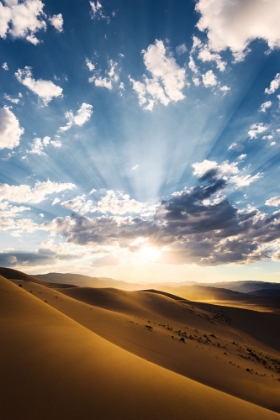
(149, 253)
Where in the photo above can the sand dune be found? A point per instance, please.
(199, 343)
(235, 294)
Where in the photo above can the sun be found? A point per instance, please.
(149, 253)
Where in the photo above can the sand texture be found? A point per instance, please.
(129, 355)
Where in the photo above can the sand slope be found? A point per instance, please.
(53, 368)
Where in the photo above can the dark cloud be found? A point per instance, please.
(41, 257)
(197, 226)
(105, 230)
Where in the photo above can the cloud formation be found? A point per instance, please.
(256, 129)
(167, 79)
(235, 24)
(274, 85)
(113, 202)
(209, 79)
(57, 22)
(199, 225)
(181, 49)
(273, 202)
(10, 99)
(45, 89)
(10, 129)
(39, 146)
(82, 116)
(210, 170)
(26, 194)
(7, 210)
(111, 75)
(265, 106)
(205, 55)
(97, 12)
(24, 19)
(40, 257)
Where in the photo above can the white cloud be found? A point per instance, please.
(57, 22)
(273, 202)
(269, 137)
(26, 194)
(246, 180)
(5, 66)
(196, 81)
(39, 146)
(265, 106)
(274, 84)
(20, 225)
(10, 99)
(234, 24)
(45, 89)
(102, 82)
(113, 202)
(193, 66)
(209, 79)
(96, 7)
(256, 129)
(83, 115)
(119, 203)
(236, 146)
(141, 90)
(110, 78)
(196, 44)
(225, 170)
(22, 20)
(79, 204)
(224, 88)
(55, 201)
(163, 67)
(181, 49)
(206, 55)
(90, 65)
(10, 129)
(242, 157)
(97, 11)
(7, 210)
(167, 81)
(33, 39)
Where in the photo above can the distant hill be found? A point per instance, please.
(11, 274)
(87, 281)
(245, 286)
(267, 292)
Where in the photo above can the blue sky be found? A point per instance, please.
(141, 140)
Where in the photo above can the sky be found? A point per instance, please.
(140, 140)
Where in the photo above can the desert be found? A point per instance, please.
(69, 352)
